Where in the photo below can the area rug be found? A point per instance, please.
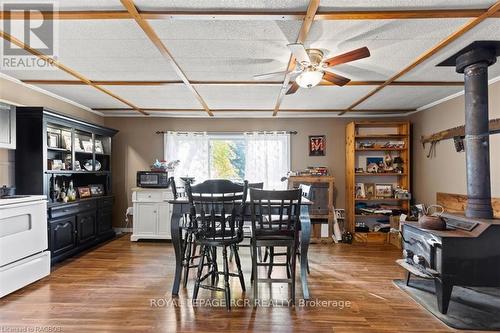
(470, 308)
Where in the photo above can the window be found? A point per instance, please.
(256, 157)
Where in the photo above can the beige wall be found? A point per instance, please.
(137, 145)
(15, 93)
(446, 171)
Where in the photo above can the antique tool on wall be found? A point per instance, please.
(457, 134)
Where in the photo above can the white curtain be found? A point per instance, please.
(191, 149)
(267, 155)
(267, 158)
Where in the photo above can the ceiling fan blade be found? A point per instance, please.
(336, 79)
(357, 54)
(299, 52)
(293, 89)
(269, 75)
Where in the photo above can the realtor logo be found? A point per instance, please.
(31, 24)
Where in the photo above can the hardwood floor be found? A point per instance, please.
(114, 288)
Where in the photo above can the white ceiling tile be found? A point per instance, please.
(167, 96)
(404, 97)
(181, 114)
(25, 74)
(346, 31)
(285, 31)
(403, 4)
(84, 95)
(324, 97)
(89, 4)
(239, 97)
(243, 114)
(487, 30)
(222, 4)
(301, 5)
(99, 29)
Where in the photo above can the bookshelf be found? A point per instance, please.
(372, 148)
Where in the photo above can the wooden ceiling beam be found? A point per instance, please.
(493, 10)
(312, 8)
(254, 15)
(155, 39)
(257, 110)
(239, 83)
(66, 69)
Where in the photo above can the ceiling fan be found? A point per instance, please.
(311, 68)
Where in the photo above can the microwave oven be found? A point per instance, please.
(154, 179)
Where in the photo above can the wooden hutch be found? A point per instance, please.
(54, 150)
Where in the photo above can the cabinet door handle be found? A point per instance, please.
(154, 211)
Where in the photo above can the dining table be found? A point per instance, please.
(181, 206)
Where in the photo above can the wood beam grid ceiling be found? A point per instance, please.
(312, 14)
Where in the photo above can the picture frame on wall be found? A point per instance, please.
(317, 145)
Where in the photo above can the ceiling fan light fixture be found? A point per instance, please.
(309, 78)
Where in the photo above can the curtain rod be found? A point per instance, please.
(234, 132)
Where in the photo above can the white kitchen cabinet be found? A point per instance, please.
(7, 126)
(152, 213)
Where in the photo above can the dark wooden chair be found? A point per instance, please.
(275, 222)
(217, 212)
(247, 233)
(270, 251)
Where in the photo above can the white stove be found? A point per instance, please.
(24, 257)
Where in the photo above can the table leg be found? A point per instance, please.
(305, 236)
(176, 242)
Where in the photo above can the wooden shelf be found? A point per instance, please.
(371, 215)
(386, 199)
(379, 174)
(381, 136)
(73, 171)
(380, 149)
(64, 150)
(378, 132)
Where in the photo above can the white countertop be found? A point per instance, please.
(11, 201)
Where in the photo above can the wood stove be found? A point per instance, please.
(468, 252)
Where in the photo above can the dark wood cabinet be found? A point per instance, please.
(104, 221)
(86, 227)
(54, 150)
(62, 235)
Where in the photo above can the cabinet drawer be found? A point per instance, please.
(149, 196)
(71, 209)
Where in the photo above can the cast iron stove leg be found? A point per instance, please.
(443, 294)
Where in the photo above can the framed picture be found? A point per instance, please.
(78, 146)
(383, 190)
(66, 140)
(317, 145)
(53, 140)
(370, 190)
(87, 146)
(96, 190)
(99, 147)
(374, 164)
(56, 165)
(360, 191)
(84, 192)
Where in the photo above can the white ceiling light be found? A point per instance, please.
(309, 78)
